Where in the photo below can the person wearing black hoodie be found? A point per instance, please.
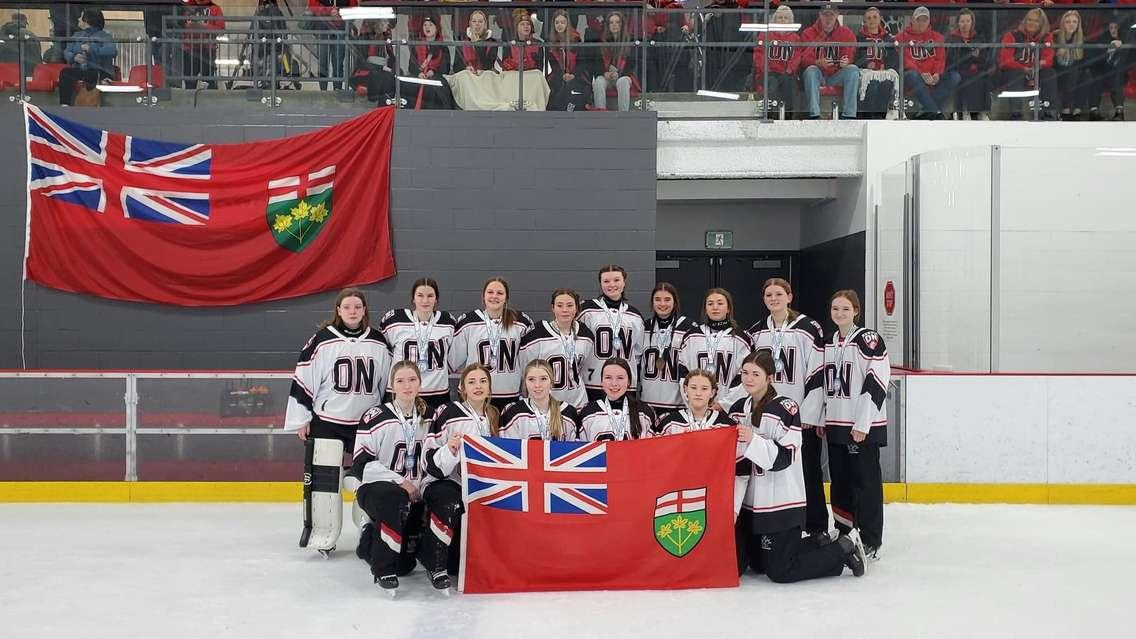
(1109, 71)
(970, 65)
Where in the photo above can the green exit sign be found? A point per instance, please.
(719, 239)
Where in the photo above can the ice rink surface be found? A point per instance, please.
(233, 570)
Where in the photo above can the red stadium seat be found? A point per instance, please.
(45, 77)
(137, 76)
(9, 75)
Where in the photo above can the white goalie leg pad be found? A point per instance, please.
(327, 503)
(741, 485)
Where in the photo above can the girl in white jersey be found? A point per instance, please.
(718, 345)
(423, 335)
(857, 373)
(796, 343)
(618, 416)
(616, 326)
(388, 446)
(659, 378)
(539, 415)
(491, 336)
(442, 492)
(565, 344)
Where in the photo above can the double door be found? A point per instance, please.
(740, 273)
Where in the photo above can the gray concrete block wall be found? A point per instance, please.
(540, 198)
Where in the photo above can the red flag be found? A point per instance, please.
(648, 514)
(207, 224)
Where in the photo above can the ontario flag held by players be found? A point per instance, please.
(648, 514)
(128, 218)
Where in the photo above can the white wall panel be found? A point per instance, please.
(1091, 432)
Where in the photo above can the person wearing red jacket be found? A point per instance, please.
(1016, 64)
(879, 67)
(924, 65)
(783, 62)
(527, 54)
(829, 61)
(199, 46)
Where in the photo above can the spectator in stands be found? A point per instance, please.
(969, 68)
(528, 53)
(878, 64)
(332, 53)
(477, 58)
(571, 89)
(13, 46)
(428, 62)
(1069, 66)
(1109, 70)
(924, 65)
(153, 17)
(784, 63)
(617, 64)
(377, 62)
(830, 63)
(91, 54)
(199, 41)
(1016, 65)
(726, 68)
(668, 68)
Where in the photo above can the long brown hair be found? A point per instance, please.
(729, 305)
(335, 321)
(419, 404)
(784, 284)
(555, 421)
(491, 413)
(508, 315)
(849, 295)
(570, 34)
(633, 408)
(669, 288)
(764, 361)
(426, 281)
(1067, 56)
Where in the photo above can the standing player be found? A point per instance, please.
(341, 373)
(796, 343)
(856, 376)
(565, 344)
(423, 335)
(769, 529)
(717, 346)
(441, 488)
(388, 446)
(616, 326)
(539, 415)
(663, 334)
(492, 337)
(618, 416)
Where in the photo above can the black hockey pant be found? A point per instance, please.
(816, 510)
(857, 490)
(329, 430)
(389, 545)
(783, 556)
(441, 539)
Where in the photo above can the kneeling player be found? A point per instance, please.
(539, 415)
(769, 530)
(388, 446)
(441, 487)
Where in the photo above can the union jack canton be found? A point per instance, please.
(567, 478)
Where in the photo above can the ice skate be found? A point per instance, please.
(326, 552)
(441, 582)
(854, 556)
(388, 584)
(872, 553)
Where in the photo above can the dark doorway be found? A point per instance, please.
(741, 273)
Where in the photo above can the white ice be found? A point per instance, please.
(232, 570)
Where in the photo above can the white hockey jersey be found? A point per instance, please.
(856, 377)
(719, 352)
(439, 462)
(523, 420)
(776, 492)
(798, 351)
(388, 448)
(659, 378)
(565, 353)
(406, 334)
(338, 377)
(618, 332)
(601, 421)
(481, 340)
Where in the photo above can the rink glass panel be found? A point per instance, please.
(62, 429)
(215, 430)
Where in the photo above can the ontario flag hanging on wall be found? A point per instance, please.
(649, 514)
(127, 218)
